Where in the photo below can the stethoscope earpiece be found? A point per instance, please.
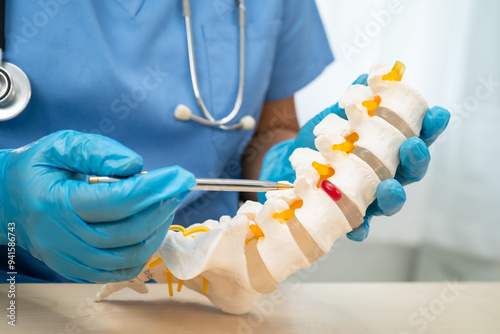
(247, 122)
(183, 113)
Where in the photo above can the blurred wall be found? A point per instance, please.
(450, 227)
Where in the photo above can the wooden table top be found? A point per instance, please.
(351, 308)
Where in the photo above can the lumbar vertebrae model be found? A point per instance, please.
(234, 260)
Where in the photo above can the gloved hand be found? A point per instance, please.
(87, 232)
(391, 196)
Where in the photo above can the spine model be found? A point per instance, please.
(235, 260)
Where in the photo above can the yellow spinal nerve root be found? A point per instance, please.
(396, 74)
(205, 286)
(168, 274)
(371, 105)
(257, 233)
(155, 262)
(192, 230)
(325, 172)
(170, 279)
(289, 213)
(348, 145)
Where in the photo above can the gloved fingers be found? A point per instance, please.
(435, 122)
(361, 80)
(119, 200)
(82, 273)
(124, 257)
(305, 137)
(125, 274)
(415, 158)
(89, 154)
(391, 197)
(132, 230)
(359, 234)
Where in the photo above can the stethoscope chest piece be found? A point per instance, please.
(15, 91)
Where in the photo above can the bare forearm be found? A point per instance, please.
(277, 124)
(258, 147)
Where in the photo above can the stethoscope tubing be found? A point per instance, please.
(209, 120)
(12, 105)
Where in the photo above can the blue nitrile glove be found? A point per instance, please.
(391, 196)
(87, 232)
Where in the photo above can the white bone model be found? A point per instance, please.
(235, 260)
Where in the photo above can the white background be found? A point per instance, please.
(450, 225)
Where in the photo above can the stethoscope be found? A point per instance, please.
(182, 112)
(15, 88)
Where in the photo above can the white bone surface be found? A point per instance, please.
(241, 257)
(281, 255)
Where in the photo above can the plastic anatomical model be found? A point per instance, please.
(234, 260)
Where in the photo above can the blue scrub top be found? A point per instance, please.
(120, 67)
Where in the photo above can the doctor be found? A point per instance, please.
(118, 69)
